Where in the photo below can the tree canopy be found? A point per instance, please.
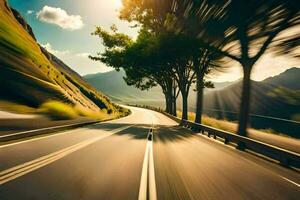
(180, 42)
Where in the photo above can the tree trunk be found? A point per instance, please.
(199, 105)
(170, 103)
(174, 106)
(184, 105)
(167, 101)
(174, 99)
(245, 101)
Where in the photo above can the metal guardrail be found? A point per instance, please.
(285, 157)
(20, 135)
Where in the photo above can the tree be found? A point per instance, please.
(177, 51)
(140, 60)
(246, 29)
(204, 64)
(154, 20)
(164, 16)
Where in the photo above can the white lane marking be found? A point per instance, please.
(290, 181)
(144, 177)
(147, 185)
(152, 185)
(39, 137)
(22, 169)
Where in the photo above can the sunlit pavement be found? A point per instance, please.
(108, 160)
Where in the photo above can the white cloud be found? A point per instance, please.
(49, 48)
(29, 12)
(60, 18)
(83, 55)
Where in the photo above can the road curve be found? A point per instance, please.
(107, 161)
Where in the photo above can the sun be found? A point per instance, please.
(117, 4)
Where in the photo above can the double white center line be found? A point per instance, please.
(25, 168)
(148, 186)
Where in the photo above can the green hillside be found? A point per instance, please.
(29, 75)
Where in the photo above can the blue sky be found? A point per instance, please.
(73, 46)
(64, 27)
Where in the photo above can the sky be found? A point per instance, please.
(64, 27)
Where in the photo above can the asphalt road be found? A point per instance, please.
(115, 160)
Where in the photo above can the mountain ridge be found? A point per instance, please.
(225, 98)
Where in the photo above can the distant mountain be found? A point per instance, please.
(220, 85)
(30, 75)
(267, 96)
(288, 79)
(276, 96)
(112, 84)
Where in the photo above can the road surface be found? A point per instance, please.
(116, 160)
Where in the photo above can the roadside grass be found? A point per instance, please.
(16, 108)
(57, 110)
(100, 115)
(229, 126)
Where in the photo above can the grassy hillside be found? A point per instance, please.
(29, 75)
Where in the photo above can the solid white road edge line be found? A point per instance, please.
(290, 181)
(22, 169)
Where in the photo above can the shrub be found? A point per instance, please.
(57, 110)
(90, 114)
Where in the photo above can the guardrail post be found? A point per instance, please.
(226, 141)
(208, 134)
(241, 146)
(215, 137)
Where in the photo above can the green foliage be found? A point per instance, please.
(160, 55)
(239, 30)
(114, 39)
(58, 111)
